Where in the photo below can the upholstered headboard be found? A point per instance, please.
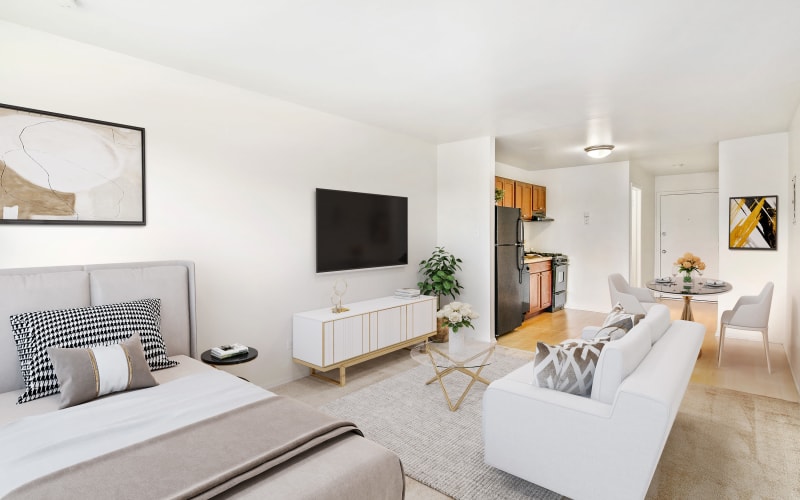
(46, 288)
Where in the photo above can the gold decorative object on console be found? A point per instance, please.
(339, 289)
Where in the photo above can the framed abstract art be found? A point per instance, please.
(753, 223)
(60, 169)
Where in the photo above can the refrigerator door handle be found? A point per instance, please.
(520, 232)
(520, 261)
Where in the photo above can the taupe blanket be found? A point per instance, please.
(200, 460)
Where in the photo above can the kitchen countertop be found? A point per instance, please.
(533, 260)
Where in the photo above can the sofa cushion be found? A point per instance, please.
(617, 360)
(569, 366)
(658, 320)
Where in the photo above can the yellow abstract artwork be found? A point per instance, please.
(753, 223)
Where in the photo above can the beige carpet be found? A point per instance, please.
(724, 444)
(729, 444)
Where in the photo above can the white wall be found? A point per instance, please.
(465, 216)
(594, 250)
(687, 182)
(756, 166)
(792, 343)
(230, 185)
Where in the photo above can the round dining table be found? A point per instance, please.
(690, 289)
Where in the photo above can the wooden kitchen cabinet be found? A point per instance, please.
(507, 185)
(529, 198)
(539, 203)
(523, 198)
(541, 295)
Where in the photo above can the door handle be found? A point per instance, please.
(663, 251)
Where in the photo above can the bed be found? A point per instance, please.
(190, 431)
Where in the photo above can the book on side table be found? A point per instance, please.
(229, 350)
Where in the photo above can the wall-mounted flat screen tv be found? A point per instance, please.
(360, 230)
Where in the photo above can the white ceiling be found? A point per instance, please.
(662, 80)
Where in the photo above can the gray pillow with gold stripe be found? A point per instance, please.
(87, 374)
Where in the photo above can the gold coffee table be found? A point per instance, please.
(469, 359)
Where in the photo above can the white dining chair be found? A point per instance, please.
(630, 297)
(751, 312)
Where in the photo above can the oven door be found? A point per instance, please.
(559, 278)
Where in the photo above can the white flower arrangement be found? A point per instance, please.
(457, 315)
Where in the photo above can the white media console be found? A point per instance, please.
(323, 340)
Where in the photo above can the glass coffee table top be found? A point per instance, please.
(446, 358)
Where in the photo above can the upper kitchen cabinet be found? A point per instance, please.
(539, 201)
(529, 198)
(523, 198)
(507, 186)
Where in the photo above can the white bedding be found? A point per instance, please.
(36, 445)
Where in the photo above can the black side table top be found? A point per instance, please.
(250, 355)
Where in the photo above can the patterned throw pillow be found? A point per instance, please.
(567, 367)
(618, 323)
(34, 332)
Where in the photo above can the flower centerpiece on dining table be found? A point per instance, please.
(689, 263)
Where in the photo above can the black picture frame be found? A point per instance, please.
(753, 222)
(63, 169)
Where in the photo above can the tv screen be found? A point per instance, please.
(360, 230)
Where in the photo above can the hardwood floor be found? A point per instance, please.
(744, 367)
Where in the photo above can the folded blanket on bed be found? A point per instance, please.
(197, 461)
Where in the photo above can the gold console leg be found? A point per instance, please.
(319, 375)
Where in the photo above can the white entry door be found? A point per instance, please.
(689, 222)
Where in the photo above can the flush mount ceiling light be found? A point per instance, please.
(600, 151)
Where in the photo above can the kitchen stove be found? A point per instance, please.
(559, 266)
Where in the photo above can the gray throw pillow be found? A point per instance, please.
(569, 366)
(618, 323)
(87, 374)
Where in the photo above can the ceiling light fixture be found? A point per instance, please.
(600, 151)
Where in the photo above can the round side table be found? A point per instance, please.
(250, 355)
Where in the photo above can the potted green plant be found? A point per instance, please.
(439, 278)
(498, 195)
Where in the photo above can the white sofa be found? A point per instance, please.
(605, 446)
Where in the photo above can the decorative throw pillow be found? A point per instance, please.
(83, 327)
(567, 367)
(618, 323)
(87, 374)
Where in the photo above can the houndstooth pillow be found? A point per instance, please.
(567, 367)
(94, 326)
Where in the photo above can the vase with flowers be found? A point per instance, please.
(688, 264)
(457, 315)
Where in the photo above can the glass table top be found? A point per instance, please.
(695, 287)
(471, 355)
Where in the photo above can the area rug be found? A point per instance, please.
(724, 444)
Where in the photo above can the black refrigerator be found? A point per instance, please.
(509, 259)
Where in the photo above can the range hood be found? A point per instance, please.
(541, 218)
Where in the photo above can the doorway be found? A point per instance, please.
(689, 222)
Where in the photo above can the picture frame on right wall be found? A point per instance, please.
(753, 223)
